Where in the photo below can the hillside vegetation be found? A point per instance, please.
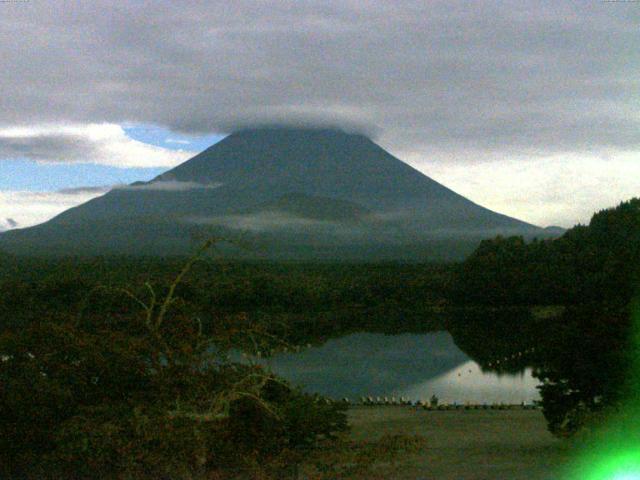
(584, 355)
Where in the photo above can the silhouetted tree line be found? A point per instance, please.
(305, 302)
(597, 263)
(583, 355)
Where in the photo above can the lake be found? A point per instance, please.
(415, 366)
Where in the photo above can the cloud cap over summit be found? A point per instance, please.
(541, 75)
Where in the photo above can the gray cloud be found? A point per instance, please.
(7, 224)
(85, 190)
(170, 186)
(262, 221)
(98, 143)
(48, 148)
(31, 208)
(439, 76)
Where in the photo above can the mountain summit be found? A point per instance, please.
(294, 193)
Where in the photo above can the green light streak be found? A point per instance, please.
(614, 451)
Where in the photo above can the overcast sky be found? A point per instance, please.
(531, 108)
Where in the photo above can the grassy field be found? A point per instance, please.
(466, 445)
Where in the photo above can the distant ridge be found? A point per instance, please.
(296, 193)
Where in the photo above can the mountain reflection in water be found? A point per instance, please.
(410, 365)
(468, 383)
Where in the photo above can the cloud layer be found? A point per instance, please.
(7, 224)
(105, 144)
(557, 190)
(448, 83)
(170, 186)
(24, 209)
(536, 75)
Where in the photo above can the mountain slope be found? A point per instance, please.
(298, 193)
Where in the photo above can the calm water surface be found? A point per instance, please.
(410, 365)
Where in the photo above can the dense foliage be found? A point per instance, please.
(307, 302)
(583, 354)
(148, 396)
(597, 263)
